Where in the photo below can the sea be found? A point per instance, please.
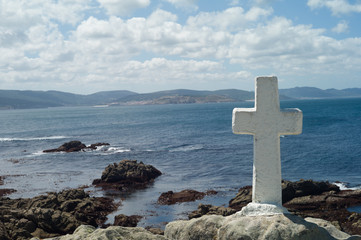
(191, 144)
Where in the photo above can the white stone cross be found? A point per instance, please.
(266, 122)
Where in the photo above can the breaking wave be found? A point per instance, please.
(32, 138)
(187, 148)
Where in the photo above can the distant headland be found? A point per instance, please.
(16, 99)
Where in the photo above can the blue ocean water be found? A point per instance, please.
(193, 145)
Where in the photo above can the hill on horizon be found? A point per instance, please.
(17, 99)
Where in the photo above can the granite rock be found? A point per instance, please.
(237, 227)
(85, 232)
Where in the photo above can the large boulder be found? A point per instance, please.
(114, 232)
(127, 174)
(237, 227)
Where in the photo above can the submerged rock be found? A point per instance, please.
(127, 174)
(170, 197)
(51, 215)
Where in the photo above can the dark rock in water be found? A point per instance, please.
(96, 145)
(127, 174)
(126, 221)
(331, 206)
(211, 210)
(6, 191)
(51, 215)
(171, 197)
(75, 146)
(301, 188)
(72, 146)
(309, 198)
(290, 190)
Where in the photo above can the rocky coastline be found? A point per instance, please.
(314, 205)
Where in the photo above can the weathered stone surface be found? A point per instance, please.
(74, 146)
(211, 210)
(188, 195)
(84, 232)
(127, 174)
(126, 221)
(245, 227)
(51, 215)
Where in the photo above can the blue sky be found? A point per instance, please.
(85, 46)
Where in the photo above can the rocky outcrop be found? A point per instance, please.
(290, 190)
(211, 210)
(237, 227)
(188, 195)
(309, 198)
(114, 232)
(126, 221)
(127, 174)
(51, 215)
(75, 146)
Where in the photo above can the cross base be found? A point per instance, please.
(259, 209)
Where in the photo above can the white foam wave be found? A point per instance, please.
(38, 153)
(106, 150)
(343, 186)
(32, 138)
(186, 148)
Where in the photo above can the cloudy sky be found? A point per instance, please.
(85, 46)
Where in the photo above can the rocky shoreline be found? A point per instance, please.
(68, 211)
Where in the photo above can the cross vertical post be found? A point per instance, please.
(266, 122)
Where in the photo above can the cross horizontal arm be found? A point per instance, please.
(243, 121)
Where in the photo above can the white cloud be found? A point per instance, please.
(209, 50)
(341, 27)
(231, 19)
(185, 4)
(337, 7)
(123, 7)
(234, 3)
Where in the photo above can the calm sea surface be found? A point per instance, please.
(193, 145)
